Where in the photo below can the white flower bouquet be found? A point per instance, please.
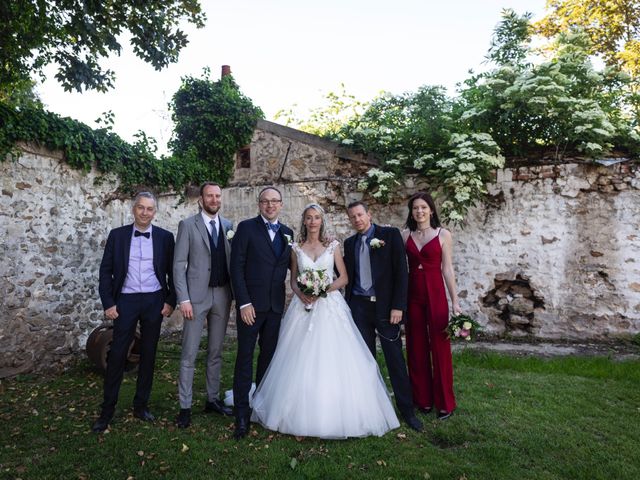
(313, 282)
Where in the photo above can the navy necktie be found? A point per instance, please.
(273, 227)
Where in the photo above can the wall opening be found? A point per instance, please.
(514, 302)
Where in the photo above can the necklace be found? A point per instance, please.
(422, 231)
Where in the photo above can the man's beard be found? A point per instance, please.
(210, 210)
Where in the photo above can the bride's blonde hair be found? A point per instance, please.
(303, 228)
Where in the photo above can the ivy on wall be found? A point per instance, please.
(136, 164)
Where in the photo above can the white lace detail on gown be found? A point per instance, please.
(323, 381)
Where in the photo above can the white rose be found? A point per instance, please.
(466, 325)
(230, 234)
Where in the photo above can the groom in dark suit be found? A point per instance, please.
(259, 263)
(135, 285)
(377, 295)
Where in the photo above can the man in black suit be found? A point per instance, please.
(135, 285)
(259, 263)
(377, 295)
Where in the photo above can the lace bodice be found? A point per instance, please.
(324, 261)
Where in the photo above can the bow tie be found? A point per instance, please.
(141, 234)
(273, 226)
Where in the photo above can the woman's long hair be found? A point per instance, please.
(434, 221)
(303, 228)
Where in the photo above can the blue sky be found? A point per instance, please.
(285, 52)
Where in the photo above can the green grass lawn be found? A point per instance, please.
(520, 418)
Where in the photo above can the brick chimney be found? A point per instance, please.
(226, 70)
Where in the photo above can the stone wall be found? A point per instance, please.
(553, 254)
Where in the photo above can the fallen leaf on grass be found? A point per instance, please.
(293, 464)
(184, 448)
(382, 463)
(401, 436)
(140, 453)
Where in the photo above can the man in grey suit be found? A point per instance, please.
(202, 283)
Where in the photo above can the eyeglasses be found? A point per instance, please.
(269, 202)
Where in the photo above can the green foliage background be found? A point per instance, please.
(77, 35)
(549, 103)
(213, 120)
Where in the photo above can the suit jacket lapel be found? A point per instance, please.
(202, 228)
(285, 241)
(225, 225)
(127, 250)
(373, 255)
(265, 233)
(156, 242)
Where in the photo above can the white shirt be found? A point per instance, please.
(272, 234)
(207, 222)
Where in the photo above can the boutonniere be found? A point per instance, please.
(230, 234)
(289, 239)
(376, 243)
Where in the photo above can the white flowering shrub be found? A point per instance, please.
(463, 175)
(528, 105)
(562, 105)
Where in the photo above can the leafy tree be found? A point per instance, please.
(326, 120)
(563, 103)
(212, 121)
(20, 93)
(511, 38)
(76, 34)
(407, 125)
(613, 28)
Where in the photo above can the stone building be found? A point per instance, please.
(554, 252)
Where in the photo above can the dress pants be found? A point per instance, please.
(364, 316)
(429, 356)
(216, 314)
(133, 307)
(265, 331)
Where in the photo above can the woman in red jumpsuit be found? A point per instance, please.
(428, 248)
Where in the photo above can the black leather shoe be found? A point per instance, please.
(413, 422)
(184, 418)
(218, 406)
(101, 424)
(242, 428)
(444, 415)
(143, 414)
(426, 410)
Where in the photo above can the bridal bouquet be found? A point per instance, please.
(462, 327)
(314, 283)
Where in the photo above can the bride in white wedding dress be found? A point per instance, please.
(322, 381)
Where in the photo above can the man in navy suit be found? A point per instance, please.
(135, 285)
(259, 263)
(377, 295)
